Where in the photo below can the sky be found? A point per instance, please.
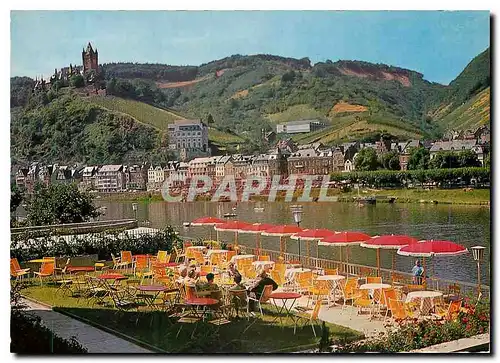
(437, 44)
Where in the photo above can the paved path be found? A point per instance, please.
(95, 340)
(347, 317)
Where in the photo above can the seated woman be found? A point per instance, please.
(232, 270)
(255, 290)
(238, 294)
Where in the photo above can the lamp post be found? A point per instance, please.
(297, 217)
(478, 255)
(134, 208)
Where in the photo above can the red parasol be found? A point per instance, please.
(233, 226)
(207, 221)
(312, 235)
(391, 242)
(345, 239)
(431, 248)
(282, 231)
(256, 229)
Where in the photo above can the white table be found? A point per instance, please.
(241, 257)
(426, 299)
(291, 272)
(334, 284)
(258, 265)
(212, 252)
(375, 286)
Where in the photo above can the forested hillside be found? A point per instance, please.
(238, 97)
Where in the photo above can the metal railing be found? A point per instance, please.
(77, 228)
(352, 269)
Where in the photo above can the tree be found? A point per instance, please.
(210, 119)
(390, 161)
(487, 161)
(445, 160)
(16, 197)
(419, 158)
(60, 203)
(366, 160)
(76, 81)
(468, 158)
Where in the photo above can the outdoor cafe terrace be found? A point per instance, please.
(354, 300)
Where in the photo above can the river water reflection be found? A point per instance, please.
(465, 225)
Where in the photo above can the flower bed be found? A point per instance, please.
(413, 334)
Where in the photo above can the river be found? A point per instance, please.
(466, 225)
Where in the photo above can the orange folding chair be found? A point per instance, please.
(46, 271)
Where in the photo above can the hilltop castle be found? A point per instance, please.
(90, 59)
(90, 68)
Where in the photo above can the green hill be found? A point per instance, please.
(241, 96)
(466, 104)
(140, 111)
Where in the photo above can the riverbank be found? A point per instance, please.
(440, 196)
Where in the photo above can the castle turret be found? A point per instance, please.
(90, 59)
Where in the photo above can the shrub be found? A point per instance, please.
(411, 335)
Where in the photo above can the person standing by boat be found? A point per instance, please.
(418, 273)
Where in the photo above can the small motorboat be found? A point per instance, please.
(186, 224)
(366, 200)
(234, 208)
(230, 215)
(258, 209)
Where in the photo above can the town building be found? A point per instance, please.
(297, 127)
(188, 136)
(110, 179)
(453, 145)
(89, 175)
(202, 166)
(136, 177)
(405, 150)
(155, 177)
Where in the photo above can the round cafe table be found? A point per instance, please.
(284, 297)
(375, 286)
(242, 257)
(261, 264)
(204, 302)
(75, 269)
(113, 277)
(41, 260)
(427, 299)
(214, 252)
(333, 282)
(165, 264)
(154, 289)
(291, 272)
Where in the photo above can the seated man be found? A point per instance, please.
(238, 294)
(209, 285)
(255, 290)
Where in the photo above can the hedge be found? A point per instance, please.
(402, 177)
(25, 247)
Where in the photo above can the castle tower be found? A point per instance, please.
(90, 59)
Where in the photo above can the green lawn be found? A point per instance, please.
(452, 196)
(256, 335)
